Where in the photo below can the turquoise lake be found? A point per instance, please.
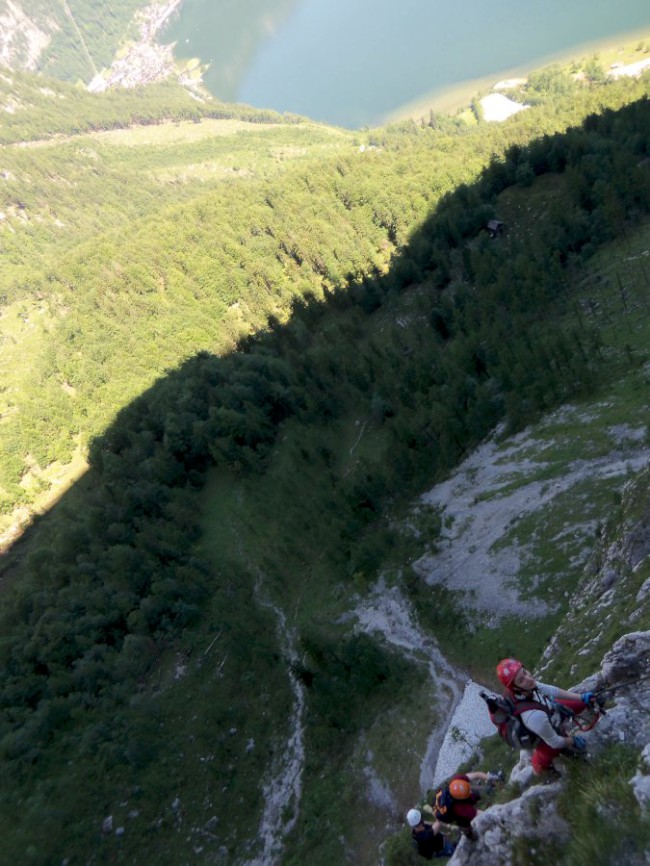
(354, 62)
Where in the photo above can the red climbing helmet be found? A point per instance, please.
(460, 789)
(507, 670)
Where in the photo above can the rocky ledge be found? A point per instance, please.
(532, 819)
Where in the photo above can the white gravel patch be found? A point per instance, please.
(469, 560)
(509, 83)
(632, 69)
(283, 784)
(497, 107)
(385, 611)
(462, 725)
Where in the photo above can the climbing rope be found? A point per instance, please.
(622, 685)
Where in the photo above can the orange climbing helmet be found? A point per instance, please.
(460, 789)
(507, 670)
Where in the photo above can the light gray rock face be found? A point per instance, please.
(641, 781)
(522, 773)
(21, 41)
(629, 658)
(532, 817)
(644, 593)
(626, 668)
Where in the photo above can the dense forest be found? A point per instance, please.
(218, 337)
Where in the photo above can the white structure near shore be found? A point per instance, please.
(632, 69)
(498, 107)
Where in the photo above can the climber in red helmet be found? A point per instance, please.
(456, 801)
(552, 708)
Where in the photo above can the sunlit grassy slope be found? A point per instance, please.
(58, 196)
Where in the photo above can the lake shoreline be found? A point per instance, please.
(448, 100)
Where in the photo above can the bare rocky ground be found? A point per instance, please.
(147, 59)
(533, 816)
(493, 489)
(20, 38)
(497, 486)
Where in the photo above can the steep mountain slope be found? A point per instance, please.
(60, 255)
(194, 625)
(606, 628)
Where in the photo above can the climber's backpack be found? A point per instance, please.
(505, 716)
(443, 805)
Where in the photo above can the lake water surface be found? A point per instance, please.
(355, 62)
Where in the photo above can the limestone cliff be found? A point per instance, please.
(615, 594)
(529, 821)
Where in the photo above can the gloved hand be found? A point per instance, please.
(579, 744)
(587, 697)
(495, 776)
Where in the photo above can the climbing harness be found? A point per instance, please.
(505, 715)
(588, 718)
